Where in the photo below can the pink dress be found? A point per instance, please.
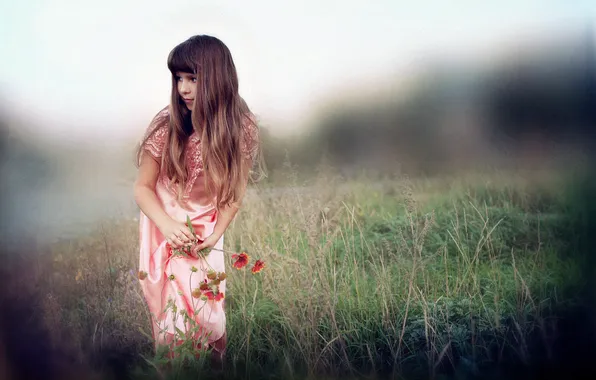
(170, 279)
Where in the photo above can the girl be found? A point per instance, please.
(194, 162)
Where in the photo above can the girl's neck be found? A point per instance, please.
(188, 128)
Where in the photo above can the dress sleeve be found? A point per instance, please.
(250, 138)
(157, 134)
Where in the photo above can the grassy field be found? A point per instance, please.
(446, 278)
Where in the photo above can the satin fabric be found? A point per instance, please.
(170, 278)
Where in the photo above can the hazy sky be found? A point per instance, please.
(98, 68)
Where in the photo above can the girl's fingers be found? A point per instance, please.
(188, 234)
(176, 243)
(181, 236)
(184, 235)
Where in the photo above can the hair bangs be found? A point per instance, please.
(181, 59)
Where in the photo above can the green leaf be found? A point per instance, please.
(180, 332)
(181, 253)
(189, 224)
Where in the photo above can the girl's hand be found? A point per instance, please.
(177, 234)
(209, 242)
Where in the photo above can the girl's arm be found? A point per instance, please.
(176, 233)
(225, 217)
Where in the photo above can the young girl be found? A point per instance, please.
(194, 161)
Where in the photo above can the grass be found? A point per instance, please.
(431, 278)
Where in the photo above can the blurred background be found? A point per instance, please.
(386, 87)
(371, 91)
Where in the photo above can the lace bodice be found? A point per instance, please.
(157, 136)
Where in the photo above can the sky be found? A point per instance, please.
(86, 70)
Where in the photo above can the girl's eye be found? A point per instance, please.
(194, 79)
(178, 78)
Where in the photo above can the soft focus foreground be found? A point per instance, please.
(428, 278)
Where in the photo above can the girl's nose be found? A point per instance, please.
(185, 87)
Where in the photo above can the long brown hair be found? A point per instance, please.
(218, 116)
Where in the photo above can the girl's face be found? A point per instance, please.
(187, 87)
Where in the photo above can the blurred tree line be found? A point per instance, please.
(537, 101)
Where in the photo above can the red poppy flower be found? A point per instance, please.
(241, 260)
(209, 294)
(213, 297)
(259, 265)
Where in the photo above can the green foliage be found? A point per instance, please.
(416, 279)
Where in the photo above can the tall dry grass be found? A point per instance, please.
(398, 278)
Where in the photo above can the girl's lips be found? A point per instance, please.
(188, 100)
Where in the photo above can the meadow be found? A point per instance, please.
(461, 277)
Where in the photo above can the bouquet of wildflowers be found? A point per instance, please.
(209, 288)
(193, 342)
